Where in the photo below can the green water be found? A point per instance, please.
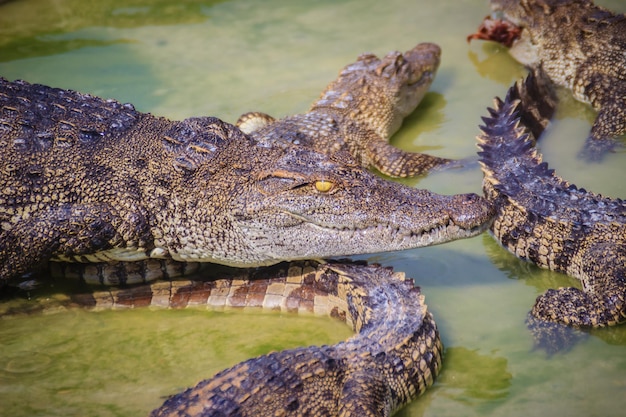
(186, 58)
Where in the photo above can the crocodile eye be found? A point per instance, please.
(324, 186)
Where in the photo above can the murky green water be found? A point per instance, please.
(185, 58)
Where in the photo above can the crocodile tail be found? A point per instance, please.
(511, 130)
(537, 99)
(551, 223)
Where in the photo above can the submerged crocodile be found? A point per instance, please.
(91, 180)
(361, 110)
(552, 223)
(580, 46)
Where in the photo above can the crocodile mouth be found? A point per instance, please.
(400, 236)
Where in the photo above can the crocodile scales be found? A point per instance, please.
(94, 181)
(393, 358)
(550, 222)
(360, 111)
(578, 45)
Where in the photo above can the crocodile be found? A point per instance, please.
(546, 220)
(580, 46)
(96, 181)
(360, 111)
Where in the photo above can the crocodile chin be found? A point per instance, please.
(444, 231)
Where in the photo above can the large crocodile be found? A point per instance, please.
(360, 111)
(550, 222)
(91, 180)
(580, 46)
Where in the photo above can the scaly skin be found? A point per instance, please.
(394, 357)
(582, 47)
(545, 220)
(360, 111)
(89, 180)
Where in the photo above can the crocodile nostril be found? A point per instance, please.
(471, 210)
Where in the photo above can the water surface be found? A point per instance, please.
(223, 58)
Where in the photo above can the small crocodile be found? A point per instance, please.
(94, 181)
(580, 46)
(361, 110)
(550, 222)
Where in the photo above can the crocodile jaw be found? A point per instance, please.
(524, 48)
(407, 225)
(365, 241)
(317, 242)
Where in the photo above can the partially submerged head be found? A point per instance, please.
(380, 93)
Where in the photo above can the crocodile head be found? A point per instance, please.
(300, 204)
(387, 89)
(557, 32)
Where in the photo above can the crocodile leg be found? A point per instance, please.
(602, 302)
(609, 124)
(395, 162)
(71, 231)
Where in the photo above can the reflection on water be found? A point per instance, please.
(493, 57)
(428, 117)
(472, 378)
(468, 380)
(528, 273)
(180, 59)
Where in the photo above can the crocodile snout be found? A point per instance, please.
(470, 210)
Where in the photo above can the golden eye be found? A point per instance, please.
(324, 186)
